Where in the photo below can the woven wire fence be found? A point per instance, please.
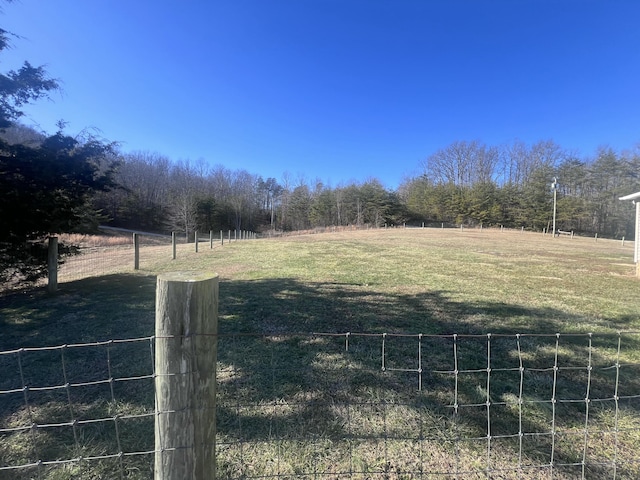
(119, 257)
(74, 410)
(426, 406)
(350, 405)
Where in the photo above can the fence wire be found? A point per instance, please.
(349, 405)
(117, 258)
(418, 406)
(67, 408)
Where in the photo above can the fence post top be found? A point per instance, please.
(187, 276)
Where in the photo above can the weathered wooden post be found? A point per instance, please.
(136, 251)
(195, 239)
(173, 245)
(211, 239)
(221, 238)
(52, 265)
(185, 382)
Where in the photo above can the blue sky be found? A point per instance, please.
(335, 90)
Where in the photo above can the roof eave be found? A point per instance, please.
(633, 196)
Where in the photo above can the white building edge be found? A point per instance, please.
(635, 197)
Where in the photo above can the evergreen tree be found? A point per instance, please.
(46, 186)
(47, 190)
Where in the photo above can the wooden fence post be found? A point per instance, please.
(52, 265)
(221, 238)
(185, 381)
(173, 244)
(196, 239)
(136, 252)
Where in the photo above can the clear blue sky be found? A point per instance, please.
(337, 90)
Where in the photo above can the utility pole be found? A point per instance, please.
(554, 187)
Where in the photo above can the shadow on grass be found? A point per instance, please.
(88, 310)
(280, 386)
(81, 313)
(279, 383)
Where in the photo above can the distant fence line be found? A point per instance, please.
(430, 225)
(139, 249)
(318, 405)
(143, 249)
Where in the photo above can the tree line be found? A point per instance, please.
(471, 183)
(466, 183)
(159, 195)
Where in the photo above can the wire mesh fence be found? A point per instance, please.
(350, 405)
(117, 254)
(100, 260)
(417, 406)
(73, 410)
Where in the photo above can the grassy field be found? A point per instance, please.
(296, 404)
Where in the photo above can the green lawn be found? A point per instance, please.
(296, 404)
